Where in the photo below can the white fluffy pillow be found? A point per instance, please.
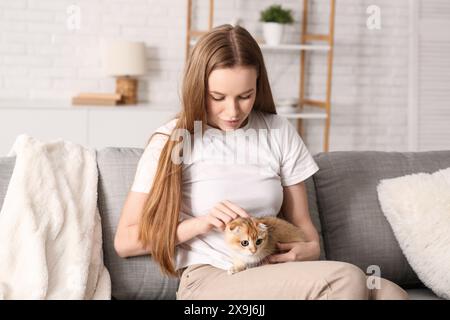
(417, 207)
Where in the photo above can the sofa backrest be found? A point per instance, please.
(354, 227)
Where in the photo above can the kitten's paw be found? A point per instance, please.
(231, 271)
(235, 269)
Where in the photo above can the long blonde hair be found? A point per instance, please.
(224, 46)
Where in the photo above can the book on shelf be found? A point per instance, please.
(89, 98)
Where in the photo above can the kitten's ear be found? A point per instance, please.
(262, 227)
(235, 230)
(234, 227)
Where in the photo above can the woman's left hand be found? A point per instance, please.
(296, 251)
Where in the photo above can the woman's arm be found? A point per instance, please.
(295, 210)
(126, 241)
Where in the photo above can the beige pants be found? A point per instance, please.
(329, 280)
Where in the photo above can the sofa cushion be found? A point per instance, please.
(135, 277)
(353, 225)
(6, 170)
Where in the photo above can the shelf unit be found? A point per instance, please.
(308, 44)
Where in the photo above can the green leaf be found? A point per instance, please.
(276, 13)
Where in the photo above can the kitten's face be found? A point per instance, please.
(246, 236)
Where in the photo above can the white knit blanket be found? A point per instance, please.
(50, 230)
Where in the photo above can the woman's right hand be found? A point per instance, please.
(220, 215)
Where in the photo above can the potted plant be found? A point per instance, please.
(274, 18)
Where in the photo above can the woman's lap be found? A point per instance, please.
(291, 280)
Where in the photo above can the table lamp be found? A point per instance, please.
(125, 60)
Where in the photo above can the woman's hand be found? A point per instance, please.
(296, 251)
(220, 215)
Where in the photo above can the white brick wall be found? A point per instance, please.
(41, 59)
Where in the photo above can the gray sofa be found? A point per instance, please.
(342, 199)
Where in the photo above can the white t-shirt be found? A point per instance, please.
(234, 165)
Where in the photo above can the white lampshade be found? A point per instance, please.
(123, 58)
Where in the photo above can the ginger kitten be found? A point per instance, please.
(253, 239)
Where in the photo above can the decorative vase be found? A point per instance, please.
(272, 33)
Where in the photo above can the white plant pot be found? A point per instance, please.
(273, 33)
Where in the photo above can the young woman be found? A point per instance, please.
(184, 193)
